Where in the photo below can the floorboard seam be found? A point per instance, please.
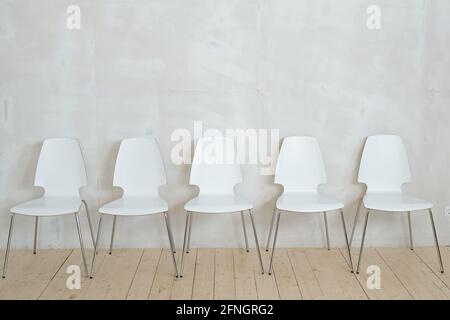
(54, 275)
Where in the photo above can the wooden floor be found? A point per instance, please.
(228, 274)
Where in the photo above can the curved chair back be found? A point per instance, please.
(384, 164)
(60, 168)
(300, 165)
(139, 167)
(214, 168)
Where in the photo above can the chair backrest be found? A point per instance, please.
(139, 167)
(215, 169)
(60, 168)
(300, 165)
(384, 164)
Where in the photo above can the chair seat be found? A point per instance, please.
(307, 202)
(218, 204)
(135, 206)
(395, 202)
(48, 206)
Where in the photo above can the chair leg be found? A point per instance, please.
(96, 246)
(271, 228)
(172, 243)
(256, 241)
(169, 233)
(346, 241)
(326, 229)
(180, 274)
(355, 221)
(81, 245)
(410, 231)
(436, 241)
(91, 229)
(8, 246)
(362, 241)
(245, 231)
(188, 245)
(274, 242)
(36, 222)
(112, 234)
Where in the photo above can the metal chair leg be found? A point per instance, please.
(172, 243)
(188, 245)
(245, 231)
(81, 245)
(256, 241)
(274, 243)
(355, 221)
(362, 241)
(8, 246)
(180, 274)
(436, 241)
(112, 234)
(96, 246)
(410, 232)
(346, 241)
(326, 229)
(91, 229)
(36, 222)
(271, 228)
(169, 233)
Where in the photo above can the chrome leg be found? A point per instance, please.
(355, 221)
(112, 234)
(36, 222)
(172, 244)
(8, 246)
(346, 241)
(245, 231)
(81, 245)
(326, 229)
(436, 241)
(169, 233)
(256, 241)
(274, 243)
(91, 229)
(96, 246)
(410, 232)
(180, 274)
(188, 245)
(271, 227)
(362, 241)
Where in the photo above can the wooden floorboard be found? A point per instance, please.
(115, 275)
(145, 275)
(266, 286)
(429, 256)
(228, 274)
(57, 289)
(164, 277)
(390, 287)
(417, 277)
(182, 287)
(224, 285)
(204, 275)
(283, 272)
(324, 274)
(29, 275)
(244, 276)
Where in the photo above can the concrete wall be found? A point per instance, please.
(150, 67)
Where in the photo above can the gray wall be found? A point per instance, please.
(150, 67)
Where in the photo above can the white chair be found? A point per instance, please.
(61, 173)
(300, 170)
(216, 172)
(139, 172)
(384, 169)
